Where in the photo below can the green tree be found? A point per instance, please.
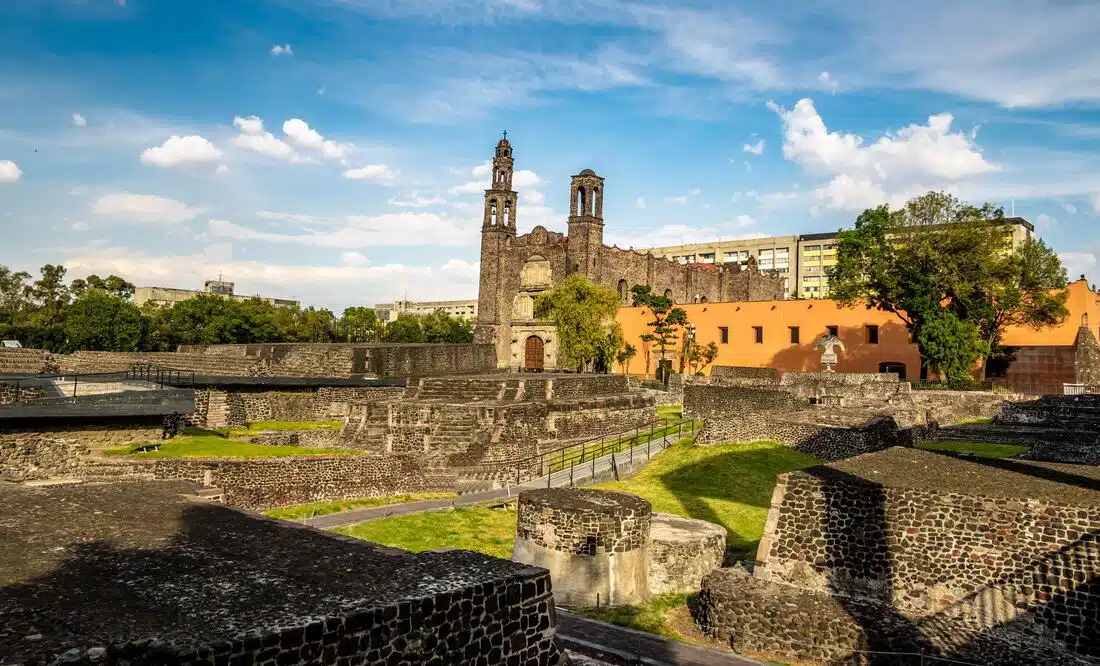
(100, 321)
(608, 349)
(667, 319)
(700, 356)
(647, 340)
(406, 328)
(624, 357)
(949, 345)
(1027, 289)
(359, 324)
(14, 296)
(584, 314)
(938, 254)
(113, 285)
(440, 326)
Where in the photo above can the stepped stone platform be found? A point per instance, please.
(1056, 428)
(139, 573)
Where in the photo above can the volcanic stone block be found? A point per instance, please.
(681, 552)
(594, 544)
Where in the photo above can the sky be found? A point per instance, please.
(335, 151)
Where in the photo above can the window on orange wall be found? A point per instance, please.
(794, 334)
(724, 334)
(872, 334)
(758, 334)
(833, 330)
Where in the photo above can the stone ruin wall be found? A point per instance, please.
(10, 393)
(264, 483)
(978, 578)
(855, 412)
(307, 403)
(25, 361)
(35, 450)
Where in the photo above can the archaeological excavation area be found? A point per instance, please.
(902, 523)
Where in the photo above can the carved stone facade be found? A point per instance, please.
(515, 269)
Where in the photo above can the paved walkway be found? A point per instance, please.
(608, 641)
(599, 469)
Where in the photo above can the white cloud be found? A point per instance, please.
(1046, 222)
(828, 82)
(524, 181)
(895, 167)
(682, 200)
(380, 173)
(221, 169)
(1078, 263)
(639, 202)
(742, 221)
(254, 139)
(678, 234)
(143, 209)
(329, 286)
(754, 148)
(694, 192)
(303, 136)
(80, 225)
(416, 201)
(364, 231)
(354, 258)
(287, 217)
(282, 49)
(1096, 202)
(1070, 208)
(79, 120)
(181, 150)
(9, 172)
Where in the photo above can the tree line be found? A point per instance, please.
(99, 314)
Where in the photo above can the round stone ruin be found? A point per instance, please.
(681, 552)
(594, 543)
(608, 548)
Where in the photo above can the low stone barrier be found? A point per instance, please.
(681, 552)
(271, 482)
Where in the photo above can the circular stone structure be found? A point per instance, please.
(681, 552)
(593, 543)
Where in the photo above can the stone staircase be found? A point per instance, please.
(368, 430)
(217, 410)
(460, 390)
(23, 361)
(454, 431)
(998, 433)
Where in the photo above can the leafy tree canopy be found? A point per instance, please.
(939, 254)
(584, 314)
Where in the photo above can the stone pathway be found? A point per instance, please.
(595, 471)
(619, 645)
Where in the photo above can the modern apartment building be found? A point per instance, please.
(169, 295)
(387, 312)
(803, 258)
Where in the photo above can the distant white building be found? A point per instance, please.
(387, 312)
(169, 295)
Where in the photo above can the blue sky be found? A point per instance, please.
(333, 150)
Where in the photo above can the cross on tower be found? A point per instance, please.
(505, 134)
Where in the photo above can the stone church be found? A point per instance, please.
(516, 269)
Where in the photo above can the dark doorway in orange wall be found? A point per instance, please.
(893, 366)
(533, 356)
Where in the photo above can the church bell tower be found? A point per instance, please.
(498, 230)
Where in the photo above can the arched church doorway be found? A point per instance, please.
(534, 354)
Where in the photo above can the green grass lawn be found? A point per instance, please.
(730, 485)
(650, 617)
(979, 449)
(260, 426)
(325, 508)
(216, 446)
(481, 529)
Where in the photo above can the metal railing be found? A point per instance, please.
(572, 456)
(38, 387)
(161, 376)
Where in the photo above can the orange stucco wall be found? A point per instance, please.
(812, 317)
